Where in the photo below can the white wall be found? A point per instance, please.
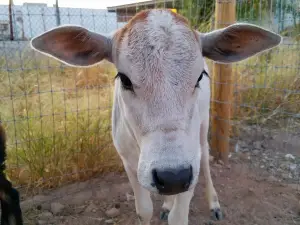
(39, 18)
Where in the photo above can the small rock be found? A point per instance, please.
(244, 156)
(271, 166)
(255, 152)
(44, 206)
(257, 144)
(91, 208)
(293, 167)
(80, 198)
(245, 150)
(109, 221)
(289, 157)
(262, 166)
(33, 202)
(284, 166)
(45, 216)
(286, 176)
(113, 212)
(56, 207)
(129, 197)
(79, 209)
(279, 170)
(219, 166)
(271, 179)
(251, 190)
(220, 162)
(228, 167)
(243, 144)
(41, 222)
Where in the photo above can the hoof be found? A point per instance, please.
(139, 220)
(164, 215)
(216, 214)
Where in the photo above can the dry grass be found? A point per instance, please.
(268, 86)
(58, 118)
(267, 90)
(57, 122)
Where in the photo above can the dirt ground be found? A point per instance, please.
(244, 198)
(260, 187)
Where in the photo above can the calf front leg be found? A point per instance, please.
(179, 214)
(167, 206)
(143, 202)
(211, 193)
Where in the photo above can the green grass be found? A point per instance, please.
(58, 131)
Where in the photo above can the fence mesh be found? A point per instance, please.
(57, 118)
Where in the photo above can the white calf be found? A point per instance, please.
(161, 98)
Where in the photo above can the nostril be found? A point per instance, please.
(188, 183)
(159, 183)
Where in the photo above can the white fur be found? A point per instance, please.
(166, 106)
(164, 123)
(160, 106)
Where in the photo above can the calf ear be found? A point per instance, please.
(237, 42)
(73, 45)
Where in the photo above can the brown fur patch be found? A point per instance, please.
(141, 17)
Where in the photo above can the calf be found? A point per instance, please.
(10, 201)
(161, 106)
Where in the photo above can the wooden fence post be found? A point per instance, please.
(222, 93)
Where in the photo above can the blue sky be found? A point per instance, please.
(97, 4)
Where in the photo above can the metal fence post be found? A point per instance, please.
(57, 13)
(11, 20)
(222, 93)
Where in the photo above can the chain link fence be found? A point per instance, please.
(57, 118)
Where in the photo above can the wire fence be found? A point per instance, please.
(57, 118)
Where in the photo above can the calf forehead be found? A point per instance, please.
(159, 42)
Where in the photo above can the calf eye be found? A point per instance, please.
(126, 83)
(200, 77)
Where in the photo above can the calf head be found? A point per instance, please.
(162, 86)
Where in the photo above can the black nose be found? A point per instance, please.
(172, 181)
